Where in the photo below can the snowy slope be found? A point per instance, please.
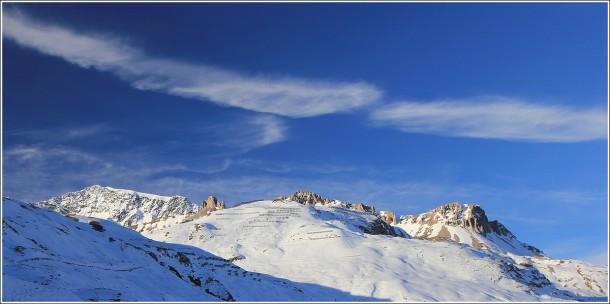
(126, 207)
(326, 245)
(50, 257)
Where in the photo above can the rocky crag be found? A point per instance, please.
(466, 224)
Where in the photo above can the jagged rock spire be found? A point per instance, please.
(212, 203)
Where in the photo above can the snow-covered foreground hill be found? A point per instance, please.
(297, 248)
(50, 257)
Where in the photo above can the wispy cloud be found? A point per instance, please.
(287, 96)
(245, 133)
(270, 130)
(65, 134)
(495, 117)
(51, 170)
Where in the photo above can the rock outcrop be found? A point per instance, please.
(280, 198)
(388, 216)
(364, 208)
(306, 198)
(212, 204)
(208, 206)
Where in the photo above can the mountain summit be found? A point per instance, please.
(126, 207)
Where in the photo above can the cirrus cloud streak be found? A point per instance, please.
(286, 96)
(495, 118)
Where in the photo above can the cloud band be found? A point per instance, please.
(495, 118)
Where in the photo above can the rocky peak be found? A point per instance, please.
(211, 203)
(471, 217)
(446, 222)
(306, 197)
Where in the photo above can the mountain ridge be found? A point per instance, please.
(142, 211)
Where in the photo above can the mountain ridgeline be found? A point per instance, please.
(142, 211)
(259, 250)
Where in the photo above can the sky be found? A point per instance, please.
(404, 106)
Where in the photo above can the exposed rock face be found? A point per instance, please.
(126, 207)
(388, 216)
(379, 226)
(476, 220)
(499, 229)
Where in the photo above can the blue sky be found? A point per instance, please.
(405, 106)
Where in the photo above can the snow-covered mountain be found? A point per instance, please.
(342, 251)
(126, 207)
(50, 257)
(465, 224)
